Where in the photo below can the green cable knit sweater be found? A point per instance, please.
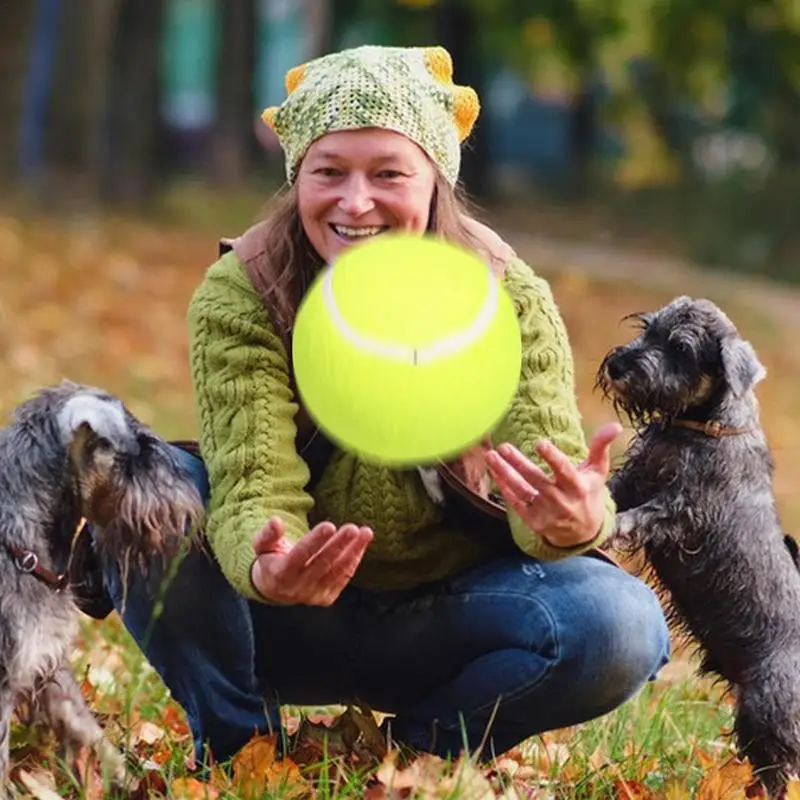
(247, 438)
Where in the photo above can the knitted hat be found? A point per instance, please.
(408, 90)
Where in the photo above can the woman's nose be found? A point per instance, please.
(356, 199)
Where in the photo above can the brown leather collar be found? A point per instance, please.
(712, 427)
(28, 562)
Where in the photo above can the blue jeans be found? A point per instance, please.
(556, 643)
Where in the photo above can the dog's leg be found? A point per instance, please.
(61, 704)
(633, 526)
(767, 728)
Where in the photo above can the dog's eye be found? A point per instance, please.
(101, 444)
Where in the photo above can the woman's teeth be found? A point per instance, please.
(355, 233)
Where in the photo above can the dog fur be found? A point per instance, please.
(698, 503)
(74, 452)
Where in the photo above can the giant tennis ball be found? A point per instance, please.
(406, 350)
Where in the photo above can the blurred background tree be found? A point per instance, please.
(677, 115)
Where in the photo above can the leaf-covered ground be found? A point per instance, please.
(104, 302)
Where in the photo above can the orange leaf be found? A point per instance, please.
(256, 770)
(192, 789)
(174, 720)
(631, 790)
(726, 782)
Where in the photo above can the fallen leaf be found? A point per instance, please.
(793, 790)
(631, 790)
(192, 789)
(430, 778)
(40, 784)
(352, 735)
(150, 784)
(145, 732)
(726, 782)
(257, 769)
(675, 790)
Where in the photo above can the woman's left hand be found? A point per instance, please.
(568, 508)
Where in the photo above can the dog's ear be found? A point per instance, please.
(88, 413)
(79, 444)
(740, 363)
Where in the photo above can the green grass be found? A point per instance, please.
(662, 740)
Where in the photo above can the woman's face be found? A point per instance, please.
(356, 184)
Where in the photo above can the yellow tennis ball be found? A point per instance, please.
(406, 350)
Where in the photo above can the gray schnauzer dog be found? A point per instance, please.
(695, 498)
(73, 453)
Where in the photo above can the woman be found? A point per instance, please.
(334, 579)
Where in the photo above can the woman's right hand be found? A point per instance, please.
(312, 572)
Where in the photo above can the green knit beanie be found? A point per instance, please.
(405, 89)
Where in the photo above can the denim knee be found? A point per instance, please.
(629, 641)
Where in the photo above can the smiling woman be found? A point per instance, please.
(359, 183)
(333, 578)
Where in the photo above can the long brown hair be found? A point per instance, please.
(289, 263)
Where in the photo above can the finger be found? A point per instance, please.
(266, 540)
(599, 457)
(508, 479)
(537, 511)
(307, 547)
(535, 478)
(530, 472)
(565, 473)
(337, 541)
(321, 564)
(344, 566)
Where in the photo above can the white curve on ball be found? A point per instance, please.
(446, 346)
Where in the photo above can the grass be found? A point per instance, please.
(103, 301)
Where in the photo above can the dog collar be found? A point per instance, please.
(28, 562)
(712, 427)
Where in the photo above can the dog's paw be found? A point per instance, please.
(112, 762)
(624, 533)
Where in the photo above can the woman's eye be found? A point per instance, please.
(327, 172)
(390, 174)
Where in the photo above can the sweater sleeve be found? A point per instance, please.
(545, 405)
(246, 418)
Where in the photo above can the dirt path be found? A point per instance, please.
(779, 301)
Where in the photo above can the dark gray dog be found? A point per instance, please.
(695, 497)
(70, 453)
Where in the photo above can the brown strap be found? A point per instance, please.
(28, 562)
(712, 428)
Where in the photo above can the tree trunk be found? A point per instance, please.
(456, 30)
(77, 106)
(16, 28)
(582, 135)
(132, 152)
(232, 142)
